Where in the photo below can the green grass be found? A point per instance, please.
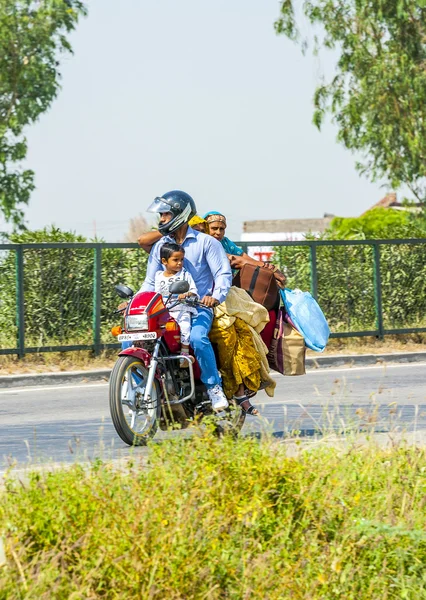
(210, 519)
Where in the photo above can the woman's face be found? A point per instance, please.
(217, 230)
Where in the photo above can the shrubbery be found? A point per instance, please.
(58, 288)
(221, 519)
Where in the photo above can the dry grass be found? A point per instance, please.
(47, 362)
(371, 345)
(85, 360)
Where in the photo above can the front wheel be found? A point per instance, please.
(134, 420)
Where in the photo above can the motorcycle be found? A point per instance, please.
(148, 386)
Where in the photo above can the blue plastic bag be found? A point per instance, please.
(307, 317)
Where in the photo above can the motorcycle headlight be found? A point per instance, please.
(137, 322)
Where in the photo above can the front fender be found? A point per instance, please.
(140, 353)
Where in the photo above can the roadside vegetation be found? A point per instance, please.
(209, 518)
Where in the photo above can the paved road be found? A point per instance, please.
(66, 423)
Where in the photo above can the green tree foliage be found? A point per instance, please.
(58, 288)
(377, 96)
(378, 223)
(33, 35)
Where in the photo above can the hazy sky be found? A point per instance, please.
(195, 95)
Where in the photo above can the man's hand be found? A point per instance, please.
(122, 306)
(209, 301)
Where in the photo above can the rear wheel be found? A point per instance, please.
(230, 421)
(134, 420)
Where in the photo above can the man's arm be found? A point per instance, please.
(147, 240)
(220, 268)
(154, 265)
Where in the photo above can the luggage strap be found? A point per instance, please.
(253, 281)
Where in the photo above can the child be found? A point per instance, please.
(171, 256)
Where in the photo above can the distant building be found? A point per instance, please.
(280, 230)
(391, 201)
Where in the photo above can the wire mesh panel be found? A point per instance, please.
(346, 287)
(8, 300)
(58, 287)
(294, 261)
(119, 265)
(65, 296)
(403, 274)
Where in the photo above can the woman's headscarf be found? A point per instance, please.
(214, 216)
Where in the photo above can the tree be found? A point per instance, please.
(33, 35)
(377, 96)
(378, 223)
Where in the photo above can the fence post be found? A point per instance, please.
(378, 290)
(20, 312)
(97, 290)
(314, 274)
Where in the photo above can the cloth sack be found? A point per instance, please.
(287, 350)
(259, 282)
(307, 317)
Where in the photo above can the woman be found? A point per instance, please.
(216, 223)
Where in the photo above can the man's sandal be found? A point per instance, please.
(250, 410)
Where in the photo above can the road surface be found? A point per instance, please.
(71, 422)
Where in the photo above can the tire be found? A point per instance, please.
(232, 423)
(134, 423)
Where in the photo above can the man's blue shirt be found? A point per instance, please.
(205, 260)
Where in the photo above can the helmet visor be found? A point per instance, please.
(160, 205)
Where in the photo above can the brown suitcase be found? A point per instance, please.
(259, 282)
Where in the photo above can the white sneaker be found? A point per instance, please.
(217, 398)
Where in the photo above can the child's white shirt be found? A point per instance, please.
(162, 283)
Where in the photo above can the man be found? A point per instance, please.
(207, 262)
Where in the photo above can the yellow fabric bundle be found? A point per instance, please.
(242, 353)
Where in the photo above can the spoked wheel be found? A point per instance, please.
(134, 420)
(231, 420)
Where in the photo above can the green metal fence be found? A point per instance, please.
(58, 297)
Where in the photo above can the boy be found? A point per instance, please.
(171, 256)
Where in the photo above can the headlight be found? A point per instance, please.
(137, 322)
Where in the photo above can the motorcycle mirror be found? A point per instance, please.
(179, 287)
(123, 291)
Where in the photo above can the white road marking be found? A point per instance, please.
(383, 365)
(322, 371)
(49, 388)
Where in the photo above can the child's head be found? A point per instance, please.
(171, 256)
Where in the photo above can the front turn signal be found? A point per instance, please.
(116, 330)
(172, 326)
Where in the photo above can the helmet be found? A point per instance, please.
(180, 204)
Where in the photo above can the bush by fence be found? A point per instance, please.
(347, 283)
(61, 293)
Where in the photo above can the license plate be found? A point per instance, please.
(133, 337)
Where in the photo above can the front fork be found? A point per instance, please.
(151, 372)
(153, 369)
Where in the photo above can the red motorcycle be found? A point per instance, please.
(148, 386)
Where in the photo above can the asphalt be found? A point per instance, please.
(64, 423)
(312, 363)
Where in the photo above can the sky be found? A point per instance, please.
(194, 95)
